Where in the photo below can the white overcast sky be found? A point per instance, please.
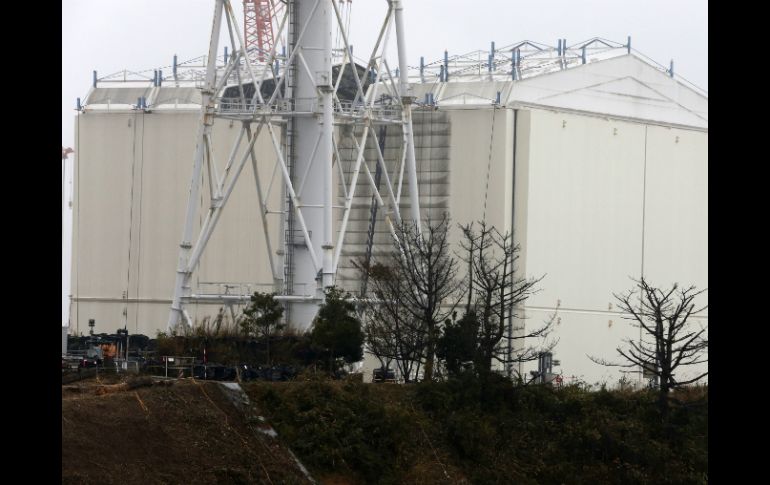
(112, 35)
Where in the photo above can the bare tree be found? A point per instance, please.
(673, 341)
(495, 292)
(392, 332)
(419, 291)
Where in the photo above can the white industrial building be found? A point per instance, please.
(594, 156)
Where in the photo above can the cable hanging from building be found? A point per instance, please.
(489, 161)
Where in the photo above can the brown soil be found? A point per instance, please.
(165, 432)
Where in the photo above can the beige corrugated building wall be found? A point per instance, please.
(131, 184)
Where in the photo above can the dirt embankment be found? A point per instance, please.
(161, 432)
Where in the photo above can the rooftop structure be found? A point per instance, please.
(521, 73)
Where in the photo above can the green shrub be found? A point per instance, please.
(486, 431)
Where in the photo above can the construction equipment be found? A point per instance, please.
(258, 18)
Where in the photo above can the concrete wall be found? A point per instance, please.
(432, 135)
(480, 167)
(464, 162)
(676, 207)
(606, 200)
(131, 183)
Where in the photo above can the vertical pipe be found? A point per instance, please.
(489, 63)
(422, 69)
(564, 47)
(629, 44)
(441, 73)
(328, 245)
(327, 129)
(513, 227)
(583, 54)
(94, 83)
(78, 104)
(671, 69)
(513, 65)
(160, 77)
(497, 99)
(558, 47)
(312, 152)
(225, 54)
(492, 54)
(407, 112)
(174, 68)
(446, 66)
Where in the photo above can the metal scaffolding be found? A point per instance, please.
(297, 111)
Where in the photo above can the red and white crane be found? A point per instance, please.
(258, 18)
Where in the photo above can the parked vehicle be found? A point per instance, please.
(249, 373)
(282, 373)
(384, 375)
(214, 372)
(89, 362)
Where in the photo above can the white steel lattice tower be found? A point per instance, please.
(294, 101)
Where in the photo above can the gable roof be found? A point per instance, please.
(625, 87)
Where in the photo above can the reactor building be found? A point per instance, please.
(594, 156)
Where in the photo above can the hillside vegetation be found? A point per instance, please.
(345, 432)
(466, 431)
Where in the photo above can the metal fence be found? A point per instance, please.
(173, 367)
